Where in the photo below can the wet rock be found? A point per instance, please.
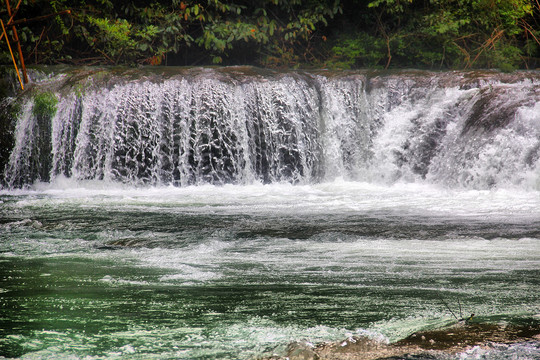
(302, 350)
(462, 336)
(355, 344)
(432, 344)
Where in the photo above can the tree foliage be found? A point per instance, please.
(284, 33)
(501, 34)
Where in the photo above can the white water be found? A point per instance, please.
(339, 197)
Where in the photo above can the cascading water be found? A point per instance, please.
(225, 126)
(240, 213)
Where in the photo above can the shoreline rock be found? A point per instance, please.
(423, 344)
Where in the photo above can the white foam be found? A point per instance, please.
(338, 197)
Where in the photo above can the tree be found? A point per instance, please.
(446, 34)
(285, 33)
(114, 31)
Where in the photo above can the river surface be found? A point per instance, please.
(225, 213)
(91, 270)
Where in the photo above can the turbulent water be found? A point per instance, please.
(240, 126)
(227, 213)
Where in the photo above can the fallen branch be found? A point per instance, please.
(24, 21)
(527, 27)
(107, 57)
(490, 42)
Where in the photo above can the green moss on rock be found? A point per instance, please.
(45, 105)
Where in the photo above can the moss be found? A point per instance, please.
(45, 105)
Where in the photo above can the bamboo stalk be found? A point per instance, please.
(11, 52)
(14, 12)
(12, 16)
(19, 49)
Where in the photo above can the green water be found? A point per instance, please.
(238, 272)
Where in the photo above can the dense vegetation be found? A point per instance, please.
(430, 34)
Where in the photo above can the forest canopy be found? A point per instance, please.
(336, 34)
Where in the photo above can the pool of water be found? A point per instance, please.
(93, 270)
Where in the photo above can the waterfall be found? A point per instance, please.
(240, 125)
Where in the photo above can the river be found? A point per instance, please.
(227, 213)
